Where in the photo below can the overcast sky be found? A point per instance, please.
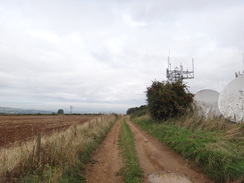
(100, 55)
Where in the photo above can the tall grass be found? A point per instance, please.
(61, 158)
(216, 145)
(132, 171)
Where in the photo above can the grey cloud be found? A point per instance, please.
(101, 55)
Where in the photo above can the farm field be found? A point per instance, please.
(53, 146)
(22, 127)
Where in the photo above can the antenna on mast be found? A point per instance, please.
(178, 73)
(238, 74)
(243, 64)
(169, 64)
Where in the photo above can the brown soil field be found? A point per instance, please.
(22, 127)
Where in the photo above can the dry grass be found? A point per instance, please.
(58, 150)
(230, 130)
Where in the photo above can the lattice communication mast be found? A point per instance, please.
(238, 74)
(178, 73)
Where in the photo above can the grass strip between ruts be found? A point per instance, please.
(132, 172)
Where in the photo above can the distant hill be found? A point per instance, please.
(10, 110)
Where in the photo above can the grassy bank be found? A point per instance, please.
(216, 145)
(132, 172)
(61, 157)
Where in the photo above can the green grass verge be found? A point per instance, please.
(132, 172)
(221, 160)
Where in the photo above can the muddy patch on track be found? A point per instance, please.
(166, 177)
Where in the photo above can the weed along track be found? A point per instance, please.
(159, 161)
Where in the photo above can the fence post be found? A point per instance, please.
(5, 134)
(4, 157)
(75, 130)
(38, 146)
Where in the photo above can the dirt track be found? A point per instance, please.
(106, 161)
(153, 157)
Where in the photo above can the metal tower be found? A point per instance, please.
(178, 73)
(238, 74)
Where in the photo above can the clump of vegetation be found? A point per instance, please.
(137, 111)
(132, 171)
(216, 145)
(166, 100)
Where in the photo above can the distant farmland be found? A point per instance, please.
(17, 127)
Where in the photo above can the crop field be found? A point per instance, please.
(22, 127)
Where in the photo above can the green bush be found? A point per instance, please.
(166, 100)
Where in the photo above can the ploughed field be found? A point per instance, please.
(22, 127)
